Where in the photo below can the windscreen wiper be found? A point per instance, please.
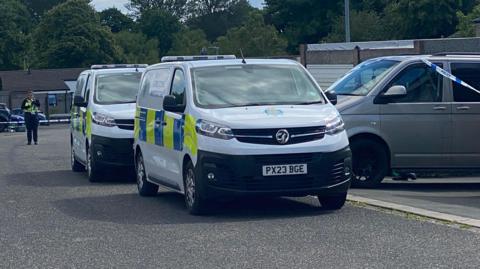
(308, 103)
(349, 94)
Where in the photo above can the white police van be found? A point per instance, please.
(214, 126)
(102, 118)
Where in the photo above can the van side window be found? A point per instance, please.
(80, 85)
(86, 93)
(423, 85)
(155, 85)
(468, 72)
(178, 87)
(159, 82)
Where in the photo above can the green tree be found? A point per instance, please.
(116, 20)
(15, 25)
(189, 42)
(156, 23)
(177, 8)
(421, 18)
(305, 21)
(255, 38)
(137, 48)
(216, 20)
(365, 26)
(39, 7)
(80, 41)
(465, 27)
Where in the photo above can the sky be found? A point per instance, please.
(120, 4)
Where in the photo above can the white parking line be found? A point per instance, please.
(416, 211)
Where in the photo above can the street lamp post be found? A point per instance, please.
(347, 21)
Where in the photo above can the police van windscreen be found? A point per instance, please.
(363, 78)
(253, 85)
(117, 88)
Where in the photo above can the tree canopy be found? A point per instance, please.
(80, 41)
(116, 20)
(14, 28)
(255, 38)
(70, 33)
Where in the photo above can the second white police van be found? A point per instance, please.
(102, 119)
(215, 126)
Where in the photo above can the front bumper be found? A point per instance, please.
(328, 174)
(112, 151)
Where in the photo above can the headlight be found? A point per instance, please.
(335, 126)
(215, 130)
(103, 120)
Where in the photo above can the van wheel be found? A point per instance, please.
(144, 187)
(370, 163)
(333, 202)
(76, 165)
(195, 203)
(93, 169)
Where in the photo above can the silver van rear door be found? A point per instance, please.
(466, 116)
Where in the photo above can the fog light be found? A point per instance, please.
(99, 153)
(211, 176)
(347, 171)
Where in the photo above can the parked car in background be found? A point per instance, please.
(4, 116)
(4, 111)
(403, 116)
(10, 121)
(41, 117)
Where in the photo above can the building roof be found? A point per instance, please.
(38, 80)
(389, 44)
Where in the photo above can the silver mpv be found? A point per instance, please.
(403, 116)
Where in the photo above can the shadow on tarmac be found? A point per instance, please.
(65, 178)
(169, 208)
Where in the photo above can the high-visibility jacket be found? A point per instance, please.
(30, 106)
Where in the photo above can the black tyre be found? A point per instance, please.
(195, 202)
(93, 169)
(144, 187)
(333, 202)
(370, 163)
(76, 165)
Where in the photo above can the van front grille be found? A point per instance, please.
(267, 136)
(125, 124)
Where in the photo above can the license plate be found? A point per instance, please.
(284, 170)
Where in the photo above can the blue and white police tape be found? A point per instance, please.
(446, 74)
(40, 121)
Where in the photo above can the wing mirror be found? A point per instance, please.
(332, 97)
(170, 104)
(79, 101)
(396, 91)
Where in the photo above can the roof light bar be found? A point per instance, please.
(113, 66)
(197, 58)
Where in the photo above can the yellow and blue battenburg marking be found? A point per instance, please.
(157, 128)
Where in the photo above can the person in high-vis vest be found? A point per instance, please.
(30, 107)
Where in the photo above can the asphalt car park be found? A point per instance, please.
(52, 217)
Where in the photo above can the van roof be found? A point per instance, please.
(206, 63)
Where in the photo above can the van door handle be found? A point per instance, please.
(463, 107)
(439, 108)
(160, 122)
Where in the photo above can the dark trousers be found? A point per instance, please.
(31, 122)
